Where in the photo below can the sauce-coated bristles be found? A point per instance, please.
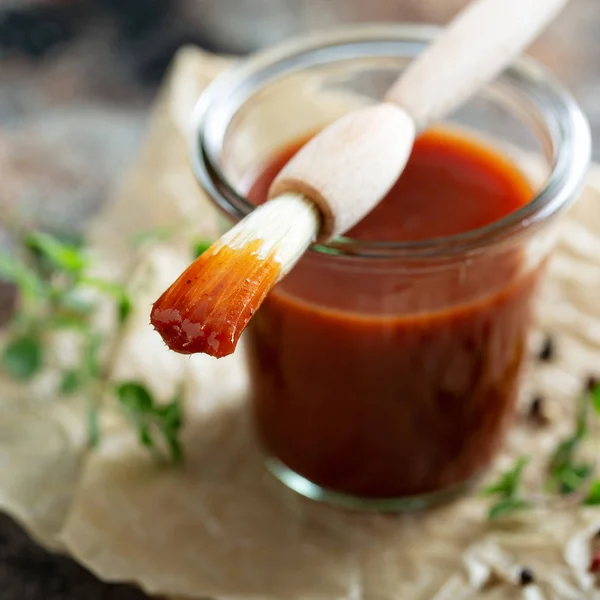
(209, 305)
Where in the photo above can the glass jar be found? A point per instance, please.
(400, 394)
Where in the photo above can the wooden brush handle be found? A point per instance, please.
(350, 166)
(479, 43)
(347, 169)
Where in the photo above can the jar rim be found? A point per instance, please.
(570, 132)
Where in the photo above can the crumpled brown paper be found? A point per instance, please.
(222, 527)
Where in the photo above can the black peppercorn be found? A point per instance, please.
(591, 383)
(547, 351)
(526, 576)
(537, 412)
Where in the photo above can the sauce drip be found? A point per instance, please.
(392, 378)
(206, 309)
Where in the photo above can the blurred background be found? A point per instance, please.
(77, 78)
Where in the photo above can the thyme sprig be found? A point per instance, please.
(54, 284)
(569, 477)
(508, 491)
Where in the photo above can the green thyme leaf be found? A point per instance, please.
(135, 398)
(13, 270)
(568, 477)
(156, 425)
(200, 247)
(507, 507)
(508, 491)
(509, 482)
(593, 497)
(62, 256)
(596, 398)
(564, 453)
(572, 478)
(566, 473)
(125, 308)
(145, 437)
(171, 425)
(22, 357)
(71, 382)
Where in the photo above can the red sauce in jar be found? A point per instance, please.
(389, 378)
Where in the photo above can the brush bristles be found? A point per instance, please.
(211, 303)
(286, 226)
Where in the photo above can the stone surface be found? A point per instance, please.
(29, 573)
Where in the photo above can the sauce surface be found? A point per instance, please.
(388, 378)
(451, 185)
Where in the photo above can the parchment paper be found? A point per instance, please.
(221, 526)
